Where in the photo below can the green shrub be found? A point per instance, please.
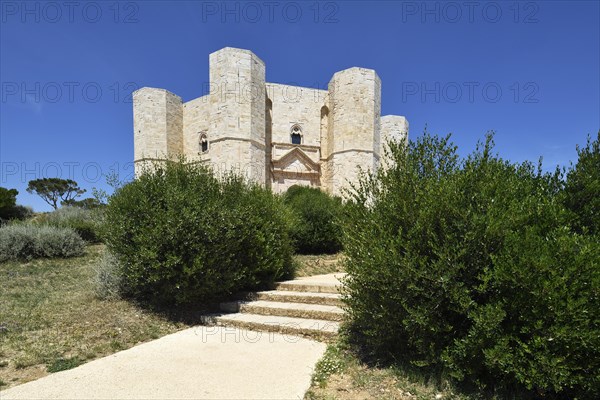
(63, 364)
(8, 199)
(9, 209)
(316, 228)
(470, 267)
(29, 241)
(83, 221)
(582, 190)
(17, 213)
(181, 236)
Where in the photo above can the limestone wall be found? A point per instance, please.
(345, 169)
(196, 120)
(157, 124)
(296, 105)
(281, 149)
(174, 117)
(393, 128)
(237, 110)
(258, 120)
(281, 184)
(355, 113)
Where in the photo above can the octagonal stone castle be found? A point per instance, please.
(278, 135)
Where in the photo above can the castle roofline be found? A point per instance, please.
(301, 87)
(148, 88)
(353, 70)
(237, 50)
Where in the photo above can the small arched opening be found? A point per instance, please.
(203, 143)
(296, 134)
(324, 135)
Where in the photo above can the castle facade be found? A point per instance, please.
(277, 135)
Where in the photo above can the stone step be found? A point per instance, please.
(289, 296)
(297, 310)
(317, 284)
(315, 328)
(307, 287)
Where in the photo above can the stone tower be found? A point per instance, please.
(355, 122)
(237, 112)
(157, 125)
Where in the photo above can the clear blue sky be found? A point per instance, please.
(528, 70)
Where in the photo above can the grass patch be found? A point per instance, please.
(63, 364)
(51, 318)
(342, 374)
(309, 265)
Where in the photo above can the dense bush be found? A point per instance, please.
(8, 200)
(17, 212)
(180, 235)
(582, 191)
(9, 209)
(27, 241)
(85, 222)
(470, 267)
(316, 229)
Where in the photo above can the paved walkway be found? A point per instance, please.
(205, 362)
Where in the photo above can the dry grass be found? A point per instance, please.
(51, 320)
(309, 265)
(341, 375)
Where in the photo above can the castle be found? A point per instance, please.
(278, 135)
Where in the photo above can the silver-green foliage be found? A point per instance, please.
(107, 280)
(27, 241)
(85, 222)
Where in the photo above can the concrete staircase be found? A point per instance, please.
(308, 306)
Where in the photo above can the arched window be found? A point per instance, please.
(296, 134)
(203, 143)
(325, 132)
